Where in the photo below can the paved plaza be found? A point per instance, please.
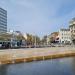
(9, 54)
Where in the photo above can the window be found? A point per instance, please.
(62, 33)
(62, 37)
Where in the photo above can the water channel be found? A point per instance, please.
(63, 66)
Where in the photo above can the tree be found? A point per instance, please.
(44, 40)
(31, 39)
(5, 37)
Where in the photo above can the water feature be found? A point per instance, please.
(63, 66)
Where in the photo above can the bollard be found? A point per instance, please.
(0, 62)
(13, 61)
(24, 60)
(43, 58)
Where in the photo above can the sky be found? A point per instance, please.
(38, 17)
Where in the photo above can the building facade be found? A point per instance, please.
(3, 20)
(72, 29)
(53, 37)
(65, 36)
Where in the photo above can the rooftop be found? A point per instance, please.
(72, 22)
(3, 9)
(64, 29)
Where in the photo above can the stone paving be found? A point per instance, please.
(10, 54)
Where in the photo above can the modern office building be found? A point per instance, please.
(65, 36)
(3, 20)
(72, 29)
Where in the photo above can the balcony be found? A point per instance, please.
(72, 23)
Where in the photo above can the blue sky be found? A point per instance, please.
(38, 16)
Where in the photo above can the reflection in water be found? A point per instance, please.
(64, 66)
(3, 70)
(73, 64)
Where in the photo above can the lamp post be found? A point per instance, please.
(47, 40)
(35, 41)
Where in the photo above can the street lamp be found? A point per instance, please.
(47, 40)
(35, 41)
